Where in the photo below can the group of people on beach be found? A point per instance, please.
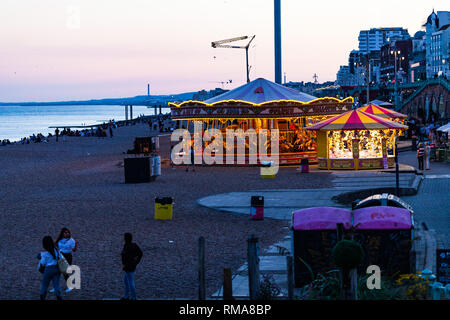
(58, 253)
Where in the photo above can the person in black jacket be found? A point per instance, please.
(131, 256)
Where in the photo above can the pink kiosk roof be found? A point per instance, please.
(382, 218)
(321, 218)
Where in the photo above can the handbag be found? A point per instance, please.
(41, 268)
(63, 265)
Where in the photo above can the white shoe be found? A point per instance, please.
(68, 290)
(52, 290)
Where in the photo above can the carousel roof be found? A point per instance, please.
(356, 120)
(260, 91)
(382, 112)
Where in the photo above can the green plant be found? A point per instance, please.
(388, 290)
(326, 286)
(347, 254)
(268, 289)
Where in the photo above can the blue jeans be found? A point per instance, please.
(130, 289)
(51, 273)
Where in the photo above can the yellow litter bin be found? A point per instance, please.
(267, 170)
(163, 208)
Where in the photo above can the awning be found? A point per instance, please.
(356, 120)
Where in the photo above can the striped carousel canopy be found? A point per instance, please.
(382, 112)
(356, 120)
(260, 91)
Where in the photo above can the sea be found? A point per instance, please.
(17, 122)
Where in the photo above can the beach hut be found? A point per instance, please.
(356, 140)
(262, 104)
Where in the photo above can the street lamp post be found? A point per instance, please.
(397, 178)
(395, 76)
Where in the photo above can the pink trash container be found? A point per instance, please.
(385, 234)
(314, 236)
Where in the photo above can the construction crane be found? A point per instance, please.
(223, 82)
(220, 44)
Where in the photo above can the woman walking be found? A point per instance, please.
(131, 256)
(427, 155)
(48, 266)
(66, 245)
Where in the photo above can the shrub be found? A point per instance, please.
(347, 254)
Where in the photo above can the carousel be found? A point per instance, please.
(356, 140)
(262, 104)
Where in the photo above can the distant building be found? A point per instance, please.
(375, 38)
(387, 61)
(205, 95)
(437, 44)
(417, 64)
(307, 87)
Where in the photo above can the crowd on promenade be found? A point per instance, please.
(161, 123)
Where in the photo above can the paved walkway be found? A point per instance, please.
(431, 206)
(279, 204)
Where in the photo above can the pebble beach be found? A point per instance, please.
(79, 184)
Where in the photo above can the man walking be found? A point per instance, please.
(420, 155)
(131, 256)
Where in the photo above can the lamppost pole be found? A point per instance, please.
(397, 177)
(395, 78)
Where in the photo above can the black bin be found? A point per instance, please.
(314, 236)
(304, 165)
(137, 170)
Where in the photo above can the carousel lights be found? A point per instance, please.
(348, 99)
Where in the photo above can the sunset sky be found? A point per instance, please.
(78, 49)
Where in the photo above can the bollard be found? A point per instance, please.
(201, 269)
(253, 267)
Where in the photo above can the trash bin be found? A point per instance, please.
(163, 208)
(304, 165)
(267, 170)
(156, 167)
(137, 170)
(386, 234)
(314, 236)
(257, 208)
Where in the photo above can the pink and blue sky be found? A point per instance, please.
(55, 50)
